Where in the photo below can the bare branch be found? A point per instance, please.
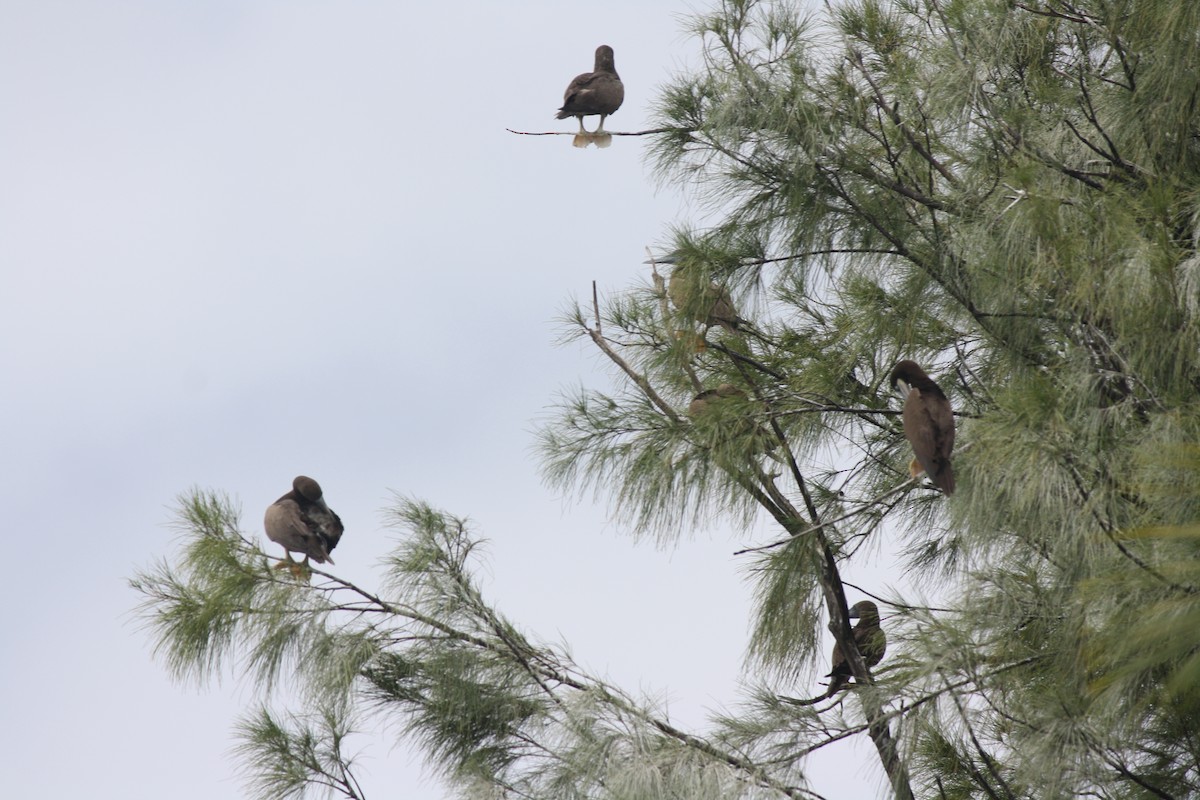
(610, 133)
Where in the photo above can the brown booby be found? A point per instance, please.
(928, 423)
(707, 303)
(725, 419)
(709, 399)
(301, 522)
(868, 637)
(597, 92)
(696, 297)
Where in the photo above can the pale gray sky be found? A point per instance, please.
(222, 223)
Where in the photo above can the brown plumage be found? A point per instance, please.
(301, 522)
(708, 303)
(707, 400)
(928, 422)
(597, 92)
(868, 637)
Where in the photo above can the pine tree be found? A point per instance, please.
(1004, 192)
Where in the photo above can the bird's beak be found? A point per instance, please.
(903, 388)
(853, 615)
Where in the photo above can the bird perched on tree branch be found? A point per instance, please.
(928, 423)
(704, 301)
(871, 643)
(868, 637)
(598, 92)
(707, 400)
(725, 421)
(698, 298)
(303, 523)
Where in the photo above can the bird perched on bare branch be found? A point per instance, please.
(928, 423)
(301, 522)
(871, 643)
(597, 92)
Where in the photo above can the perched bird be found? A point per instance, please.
(302, 523)
(597, 92)
(696, 297)
(725, 421)
(709, 399)
(871, 643)
(708, 303)
(721, 421)
(868, 637)
(928, 423)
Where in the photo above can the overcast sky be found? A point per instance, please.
(246, 240)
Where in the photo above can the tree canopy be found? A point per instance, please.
(1004, 192)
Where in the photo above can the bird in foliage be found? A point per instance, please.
(868, 637)
(870, 641)
(707, 400)
(706, 302)
(698, 298)
(725, 420)
(301, 522)
(597, 92)
(928, 424)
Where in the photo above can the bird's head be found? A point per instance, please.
(604, 59)
(866, 611)
(710, 397)
(905, 375)
(669, 258)
(307, 488)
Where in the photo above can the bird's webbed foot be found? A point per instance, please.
(301, 571)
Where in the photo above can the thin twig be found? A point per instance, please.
(894, 604)
(866, 506)
(745, 359)
(610, 133)
(904, 708)
(988, 762)
(635, 376)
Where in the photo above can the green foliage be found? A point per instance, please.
(1003, 192)
(495, 712)
(224, 607)
(785, 637)
(286, 758)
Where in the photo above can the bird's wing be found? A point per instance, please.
(838, 662)
(593, 93)
(839, 676)
(872, 643)
(723, 311)
(709, 302)
(286, 525)
(330, 529)
(921, 431)
(943, 423)
(580, 83)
